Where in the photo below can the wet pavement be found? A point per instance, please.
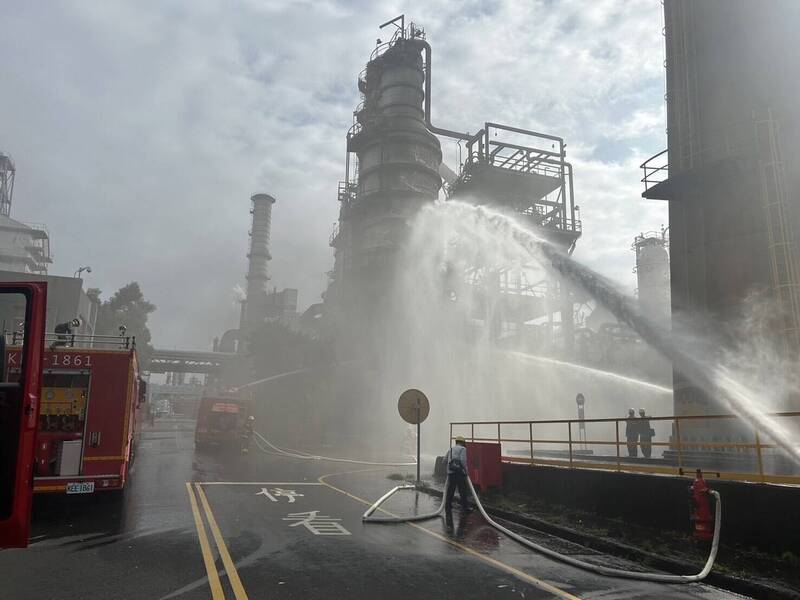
(204, 525)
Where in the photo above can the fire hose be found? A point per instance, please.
(288, 452)
(600, 569)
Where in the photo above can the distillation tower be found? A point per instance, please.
(393, 167)
(392, 170)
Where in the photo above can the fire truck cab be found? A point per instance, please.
(89, 416)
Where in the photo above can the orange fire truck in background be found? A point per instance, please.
(89, 416)
(220, 421)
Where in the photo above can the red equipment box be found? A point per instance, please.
(483, 465)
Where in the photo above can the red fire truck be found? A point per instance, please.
(19, 411)
(89, 413)
(220, 421)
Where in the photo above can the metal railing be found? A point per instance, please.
(76, 340)
(564, 443)
(655, 169)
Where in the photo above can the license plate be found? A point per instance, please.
(81, 487)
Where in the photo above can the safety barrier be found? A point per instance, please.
(681, 445)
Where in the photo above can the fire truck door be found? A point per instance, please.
(19, 410)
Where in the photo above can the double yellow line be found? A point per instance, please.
(214, 582)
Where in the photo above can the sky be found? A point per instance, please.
(141, 129)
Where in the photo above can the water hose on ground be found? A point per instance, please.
(368, 518)
(599, 569)
(306, 456)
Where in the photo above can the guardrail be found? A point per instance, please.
(565, 443)
(75, 340)
(655, 169)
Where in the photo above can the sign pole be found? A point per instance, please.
(414, 407)
(418, 441)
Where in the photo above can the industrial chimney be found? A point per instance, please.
(255, 310)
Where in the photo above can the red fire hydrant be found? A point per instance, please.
(702, 517)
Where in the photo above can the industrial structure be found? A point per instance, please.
(392, 170)
(254, 306)
(393, 167)
(652, 275)
(24, 248)
(259, 305)
(731, 173)
(66, 300)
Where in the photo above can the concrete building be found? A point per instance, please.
(66, 300)
(281, 305)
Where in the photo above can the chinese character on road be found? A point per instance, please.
(316, 523)
(289, 494)
(265, 492)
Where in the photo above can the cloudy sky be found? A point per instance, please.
(140, 129)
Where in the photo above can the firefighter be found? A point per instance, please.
(65, 332)
(247, 433)
(632, 433)
(457, 475)
(646, 434)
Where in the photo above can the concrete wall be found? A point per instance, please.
(66, 300)
(749, 509)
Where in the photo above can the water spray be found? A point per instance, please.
(714, 379)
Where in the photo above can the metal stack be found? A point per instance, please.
(255, 308)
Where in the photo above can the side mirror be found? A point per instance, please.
(142, 391)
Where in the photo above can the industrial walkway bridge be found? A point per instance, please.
(189, 361)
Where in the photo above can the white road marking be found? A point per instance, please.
(262, 483)
(265, 492)
(316, 523)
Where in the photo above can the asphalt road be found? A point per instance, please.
(209, 525)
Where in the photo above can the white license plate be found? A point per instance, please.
(81, 487)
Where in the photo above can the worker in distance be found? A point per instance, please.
(457, 475)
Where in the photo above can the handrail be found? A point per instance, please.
(74, 340)
(747, 457)
(653, 174)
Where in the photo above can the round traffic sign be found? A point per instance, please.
(413, 406)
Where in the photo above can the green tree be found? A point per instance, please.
(127, 307)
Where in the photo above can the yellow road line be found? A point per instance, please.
(492, 561)
(230, 568)
(208, 559)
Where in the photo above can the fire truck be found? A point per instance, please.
(89, 418)
(19, 412)
(220, 420)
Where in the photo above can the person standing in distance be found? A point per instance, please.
(646, 434)
(632, 433)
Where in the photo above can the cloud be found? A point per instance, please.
(141, 130)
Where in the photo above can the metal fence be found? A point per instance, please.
(681, 445)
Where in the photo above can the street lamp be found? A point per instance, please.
(81, 270)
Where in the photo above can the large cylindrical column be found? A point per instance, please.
(258, 258)
(398, 172)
